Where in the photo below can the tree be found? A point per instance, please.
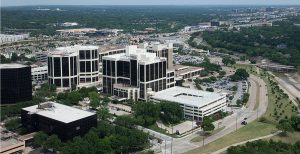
(147, 111)
(103, 114)
(94, 99)
(53, 142)
(171, 112)
(285, 126)
(264, 147)
(222, 73)
(207, 124)
(13, 124)
(125, 120)
(4, 60)
(74, 97)
(105, 101)
(295, 121)
(14, 57)
(52, 87)
(240, 74)
(40, 138)
(210, 89)
(228, 60)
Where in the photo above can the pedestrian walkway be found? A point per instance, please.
(251, 140)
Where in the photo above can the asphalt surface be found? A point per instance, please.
(231, 123)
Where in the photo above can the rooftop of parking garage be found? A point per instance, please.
(181, 69)
(187, 96)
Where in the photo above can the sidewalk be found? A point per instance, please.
(251, 140)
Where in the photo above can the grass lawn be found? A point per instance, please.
(291, 138)
(249, 68)
(200, 138)
(283, 107)
(252, 130)
(157, 129)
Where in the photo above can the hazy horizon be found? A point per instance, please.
(145, 2)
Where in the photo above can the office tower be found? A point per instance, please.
(15, 83)
(73, 66)
(161, 50)
(133, 74)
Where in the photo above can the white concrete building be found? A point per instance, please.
(4, 38)
(39, 73)
(74, 66)
(196, 104)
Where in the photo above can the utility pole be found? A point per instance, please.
(165, 146)
(236, 122)
(203, 139)
(172, 145)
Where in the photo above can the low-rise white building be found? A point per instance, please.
(4, 38)
(196, 104)
(39, 73)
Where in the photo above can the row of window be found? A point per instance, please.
(60, 66)
(88, 54)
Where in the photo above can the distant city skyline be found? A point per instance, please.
(147, 2)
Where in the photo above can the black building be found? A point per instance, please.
(135, 69)
(54, 118)
(16, 83)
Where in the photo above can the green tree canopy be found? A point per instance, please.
(207, 124)
(171, 112)
(240, 74)
(40, 138)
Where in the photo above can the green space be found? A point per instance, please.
(251, 69)
(200, 138)
(106, 138)
(291, 137)
(266, 147)
(279, 105)
(278, 43)
(247, 132)
(129, 18)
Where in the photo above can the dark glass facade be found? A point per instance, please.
(131, 73)
(16, 85)
(65, 131)
(62, 71)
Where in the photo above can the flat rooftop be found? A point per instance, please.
(59, 112)
(187, 96)
(132, 52)
(108, 48)
(71, 50)
(182, 69)
(11, 66)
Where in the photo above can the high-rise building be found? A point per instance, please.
(161, 50)
(133, 74)
(15, 83)
(73, 66)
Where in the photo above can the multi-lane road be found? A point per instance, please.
(231, 123)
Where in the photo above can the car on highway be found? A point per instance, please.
(244, 122)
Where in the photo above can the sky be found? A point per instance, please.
(148, 2)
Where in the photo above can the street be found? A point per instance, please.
(231, 123)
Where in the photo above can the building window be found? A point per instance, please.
(57, 67)
(81, 54)
(88, 54)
